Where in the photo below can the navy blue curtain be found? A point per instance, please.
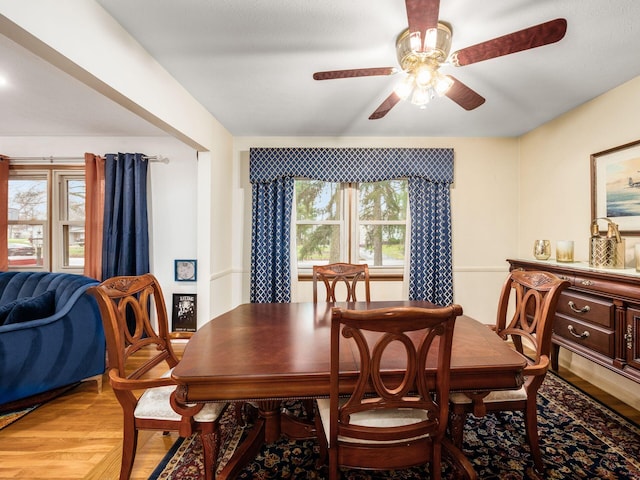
(430, 174)
(125, 246)
(270, 237)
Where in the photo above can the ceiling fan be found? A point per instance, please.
(424, 47)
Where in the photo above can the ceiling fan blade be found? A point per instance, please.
(463, 95)
(422, 15)
(532, 37)
(355, 72)
(385, 106)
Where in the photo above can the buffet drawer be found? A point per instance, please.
(586, 308)
(585, 334)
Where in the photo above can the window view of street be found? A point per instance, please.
(27, 221)
(46, 225)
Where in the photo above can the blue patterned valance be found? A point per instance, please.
(351, 164)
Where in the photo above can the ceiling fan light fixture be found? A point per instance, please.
(404, 87)
(420, 96)
(424, 74)
(442, 84)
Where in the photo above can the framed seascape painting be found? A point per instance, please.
(615, 186)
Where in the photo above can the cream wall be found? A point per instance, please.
(484, 210)
(555, 192)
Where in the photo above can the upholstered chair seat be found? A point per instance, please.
(389, 418)
(154, 403)
(493, 397)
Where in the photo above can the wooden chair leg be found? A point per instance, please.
(459, 461)
(531, 428)
(322, 441)
(334, 469)
(129, 445)
(436, 461)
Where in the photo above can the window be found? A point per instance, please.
(46, 219)
(351, 222)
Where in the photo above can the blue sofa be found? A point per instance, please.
(51, 333)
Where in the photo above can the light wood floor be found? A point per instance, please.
(78, 435)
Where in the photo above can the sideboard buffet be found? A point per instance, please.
(597, 316)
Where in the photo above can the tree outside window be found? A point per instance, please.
(354, 223)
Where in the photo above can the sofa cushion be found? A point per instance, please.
(32, 308)
(5, 310)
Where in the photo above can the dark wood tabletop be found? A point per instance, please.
(266, 351)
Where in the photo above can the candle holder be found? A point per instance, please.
(542, 249)
(564, 251)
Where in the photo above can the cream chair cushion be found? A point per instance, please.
(495, 396)
(154, 404)
(387, 418)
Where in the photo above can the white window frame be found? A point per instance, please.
(59, 221)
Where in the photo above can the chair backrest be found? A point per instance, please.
(127, 304)
(335, 276)
(408, 335)
(532, 296)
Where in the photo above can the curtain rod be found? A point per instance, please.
(52, 159)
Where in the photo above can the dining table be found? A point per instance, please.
(265, 353)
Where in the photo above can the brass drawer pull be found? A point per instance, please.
(575, 309)
(572, 331)
(586, 283)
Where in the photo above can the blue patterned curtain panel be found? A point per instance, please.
(430, 174)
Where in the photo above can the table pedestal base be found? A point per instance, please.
(267, 428)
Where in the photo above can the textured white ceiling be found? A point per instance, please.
(250, 63)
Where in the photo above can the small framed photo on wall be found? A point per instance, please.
(185, 312)
(186, 270)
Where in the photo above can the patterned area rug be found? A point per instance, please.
(580, 439)
(8, 418)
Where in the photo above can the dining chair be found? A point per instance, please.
(532, 297)
(380, 424)
(338, 277)
(136, 354)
